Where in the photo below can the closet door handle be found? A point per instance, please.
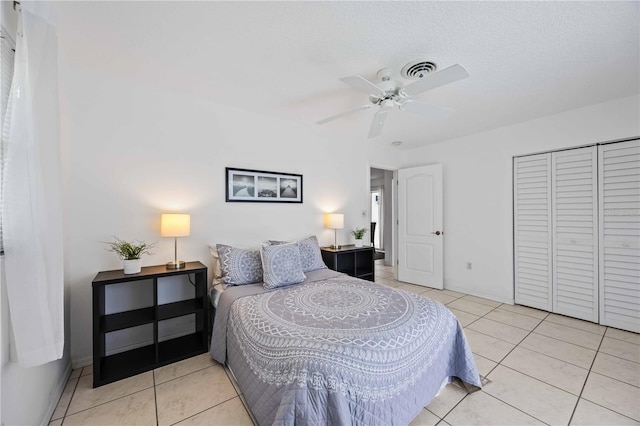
(437, 232)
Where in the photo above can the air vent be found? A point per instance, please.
(417, 69)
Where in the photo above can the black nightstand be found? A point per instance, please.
(109, 368)
(352, 260)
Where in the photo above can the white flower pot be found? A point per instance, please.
(132, 266)
(359, 242)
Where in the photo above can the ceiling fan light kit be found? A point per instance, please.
(388, 93)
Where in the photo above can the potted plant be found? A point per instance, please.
(359, 233)
(130, 253)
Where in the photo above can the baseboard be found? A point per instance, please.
(84, 361)
(475, 292)
(54, 397)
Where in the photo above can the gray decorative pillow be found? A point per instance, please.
(281, 265)
(310, 254)
(239, 266)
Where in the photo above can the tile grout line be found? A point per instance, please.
(66, 410)
(155, 396)
(620, 340)
(506, 403)
(515, 346)
(526, 315)
(585, 384)
(556, 358)
(587, 379)
(206, 409)
(107, 402)
(185, 374)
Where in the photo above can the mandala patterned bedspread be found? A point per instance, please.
(337, 350)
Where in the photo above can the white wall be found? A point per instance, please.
(478, 221)
(134, 151)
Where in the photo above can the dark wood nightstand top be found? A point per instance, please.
(147, 272)
(345, 248)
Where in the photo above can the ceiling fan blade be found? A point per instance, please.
(434, 111)
(377, 123)
(333, 117)
(437, 79)
(363, 84)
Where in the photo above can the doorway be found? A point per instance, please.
(377, 224)
(420, 233)
(381, 214)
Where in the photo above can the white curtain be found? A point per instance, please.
(32, 215)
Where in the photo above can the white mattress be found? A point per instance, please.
(214, 294)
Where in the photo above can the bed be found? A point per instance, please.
(337, 350)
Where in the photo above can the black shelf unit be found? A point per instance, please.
(351, 260)
(107, 369)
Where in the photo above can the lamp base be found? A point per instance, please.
(336, 246)
(178, 264)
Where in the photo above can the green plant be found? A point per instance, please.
(359, 233)
(129, 251)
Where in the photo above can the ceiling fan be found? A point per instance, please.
(388, 93)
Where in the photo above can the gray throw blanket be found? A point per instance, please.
(338, 350)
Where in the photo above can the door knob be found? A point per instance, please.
(437, 232)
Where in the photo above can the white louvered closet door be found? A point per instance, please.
(619, 179)
(532, 230)
(575, 232)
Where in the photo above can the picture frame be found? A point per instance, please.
(259, 186)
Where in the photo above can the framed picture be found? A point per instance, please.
(245, 185)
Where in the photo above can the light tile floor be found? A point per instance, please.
(543, 369)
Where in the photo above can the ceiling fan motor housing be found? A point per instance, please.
(389, 86)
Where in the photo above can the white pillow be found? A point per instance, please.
(217, 271)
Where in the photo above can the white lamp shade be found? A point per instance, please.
(175, 225)
(334, 221)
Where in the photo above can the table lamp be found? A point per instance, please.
(334, 221)
(175, 225)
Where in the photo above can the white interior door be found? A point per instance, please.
(532, 231)
(420, 238)
(619, 175)
(574, 203)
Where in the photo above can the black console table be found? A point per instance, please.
(352, 260)
(107, 369)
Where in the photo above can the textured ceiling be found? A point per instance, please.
(284, 59)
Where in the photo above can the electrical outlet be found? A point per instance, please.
(469, 265)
